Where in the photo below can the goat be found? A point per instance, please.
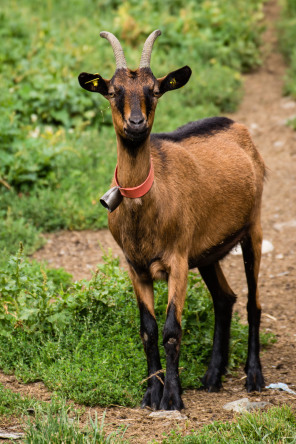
(193, 194)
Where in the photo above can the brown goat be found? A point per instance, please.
(205, 199)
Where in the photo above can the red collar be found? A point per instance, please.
(140, 190)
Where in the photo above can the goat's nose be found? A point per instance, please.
(136, 120)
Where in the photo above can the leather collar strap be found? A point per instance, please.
(140, 190)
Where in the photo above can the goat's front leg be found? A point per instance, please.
(172, 334)
(149, 333)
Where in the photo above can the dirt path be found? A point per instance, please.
(265, 112)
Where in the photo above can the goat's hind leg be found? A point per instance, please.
(223, 299)
(149, 334)
(251, 246)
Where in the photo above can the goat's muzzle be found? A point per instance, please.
(136, 131)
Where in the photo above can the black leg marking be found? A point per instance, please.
(255, 379)
(172, 334)
(223, 299)
(149, 335)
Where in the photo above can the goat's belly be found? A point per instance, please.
(217, 252)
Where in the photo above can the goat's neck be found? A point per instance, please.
(133, 162)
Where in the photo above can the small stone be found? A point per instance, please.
(244, 405)
(9, 435)
(284, 273)
(168, 414)
(237, 251)
(267, 247)
(288, 105)
(278, 144)
(288, 224)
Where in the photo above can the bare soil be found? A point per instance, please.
(265, 112)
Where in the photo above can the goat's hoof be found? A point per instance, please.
(171, 402)
(255, 380)
(152, 397)
(212, 381)
(171, 399)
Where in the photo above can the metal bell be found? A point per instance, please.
(111, 199)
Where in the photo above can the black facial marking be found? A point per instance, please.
(133, 74)
(204, 127)
(148, 100)
(120, 99)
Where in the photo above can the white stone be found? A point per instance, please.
(168, 414)
(267, 247)
(9, 435)
(288, 105)
(278, 143)
(289, 224)
(244, 405)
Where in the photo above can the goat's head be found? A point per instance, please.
(133, 95)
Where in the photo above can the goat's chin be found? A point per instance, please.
(136, 136)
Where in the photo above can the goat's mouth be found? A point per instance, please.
(136, 134)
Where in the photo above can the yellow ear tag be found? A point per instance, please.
(173, 83)
(93, 81)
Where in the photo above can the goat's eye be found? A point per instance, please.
(111, 95)
(156, 93)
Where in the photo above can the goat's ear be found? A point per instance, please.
(174, 80)
(93, 83)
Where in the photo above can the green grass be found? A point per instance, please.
(82, 339)
(63, 426)
(75, 175)
(277, 425)
(13, 403)
(53, 422)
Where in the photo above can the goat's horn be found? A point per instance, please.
(117, 49)
(147, 50)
